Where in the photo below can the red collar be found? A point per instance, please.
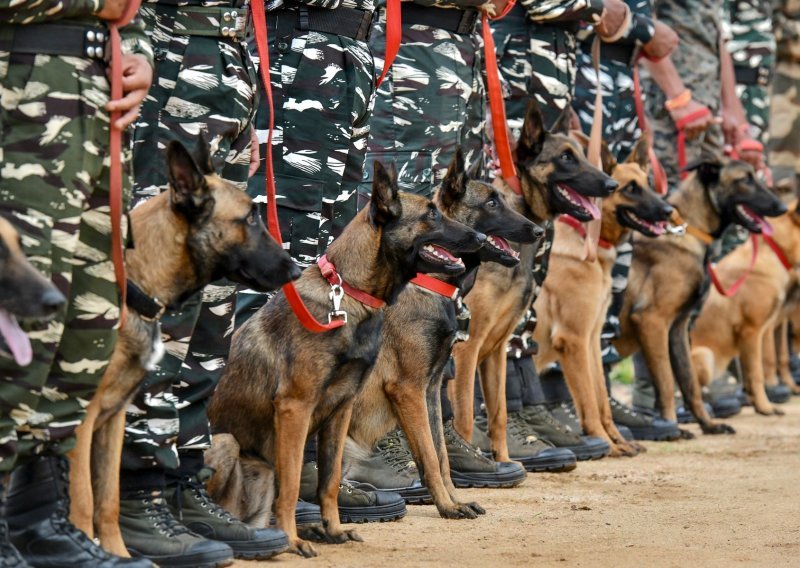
(578, 226)
(778, 252)
(328, 270)
(435, 285)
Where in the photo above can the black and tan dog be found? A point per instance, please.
(668, 276)
(575, 296)
(24, 294)
(201, 230)
(738, 325)
(555, 177)
(284, 383)
(420, 330)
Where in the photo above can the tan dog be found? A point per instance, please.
(740, 324)
(575, 296)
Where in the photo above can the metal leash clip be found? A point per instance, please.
(676, 229)
(336, 295)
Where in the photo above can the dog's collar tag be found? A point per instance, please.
(336, 295)
(677, 229)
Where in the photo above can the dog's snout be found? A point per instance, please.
(294, 271)
(52, 300)
(480, 237)
(537, 231)
(610, 185)
(667, 209)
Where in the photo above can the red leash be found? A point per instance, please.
(659, 175)
(739, 281)
(581, 229)
(328, 270)
(115, 152)
(394, 35)
(435, 285)
(681, 125)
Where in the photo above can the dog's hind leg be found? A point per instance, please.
(769, 354)
(654, 339)
(81, 510)
(750, 343)
(493, 384)
(106, 459)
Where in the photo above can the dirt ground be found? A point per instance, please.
(711, 501)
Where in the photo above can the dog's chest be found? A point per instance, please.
(364, 341)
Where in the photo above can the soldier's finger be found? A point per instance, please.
(130, 100)
(127, 119)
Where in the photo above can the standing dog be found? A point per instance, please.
(24, 294)
(739, 325)
(572, 306)
(668, 276)
(284, 383)
(555, 177)
(420, 330)
(201, 230)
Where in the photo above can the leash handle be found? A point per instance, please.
(115, 152)
(299, 308)
(681, 125)
(394, 36)
(659, 175)
(739, 281)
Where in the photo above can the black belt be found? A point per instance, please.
(70, 40)
(622, 53)
(752, 75)
(348, 22)
(451, 20)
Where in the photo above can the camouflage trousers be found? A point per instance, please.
(536, 61)
(323, 89)
(755, 101)
(54, 171)
(431, 101)
(784, 123)
(202, 85)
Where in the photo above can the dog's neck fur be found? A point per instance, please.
(611, 230)
(534, 195)
(692, 201)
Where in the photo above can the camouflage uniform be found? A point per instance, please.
(54, 188)
(784, 127)
(204, 83)
(323, 88)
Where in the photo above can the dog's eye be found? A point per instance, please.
(491, 204)
(633, 188)
(567, 157)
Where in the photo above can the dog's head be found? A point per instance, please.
(226, 236)
(24, 294)
(414, 233)
(554, 163)
(482, 207)
(635, 205)
(736, 193)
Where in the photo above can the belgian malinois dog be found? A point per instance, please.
(284, 383)
(420, 330)
(779, 348)
(738, 325)
(24, 294)
(200, 230)
(555, 177)
(668, 276)
(575, 296)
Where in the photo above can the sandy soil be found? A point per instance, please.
(712, 501)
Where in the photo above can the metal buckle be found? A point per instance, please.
(95, 43)
(159, 314)
(336, 295)
(676, 229)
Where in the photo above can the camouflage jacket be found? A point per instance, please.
(563, 11)
(749, 29)
(642, 24)
(80, 11)
(368, 5)
(786, 23)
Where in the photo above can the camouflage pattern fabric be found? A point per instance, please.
(54, 189)
(323, 88)
(784, 127)
(202, 84)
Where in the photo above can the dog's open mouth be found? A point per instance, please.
(752, 221)
(435, 254)
(647, 228)
(501, 245)
(15, 339)
(583, 208)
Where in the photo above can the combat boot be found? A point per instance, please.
(37, 512)
(564, 411)
(561, 436)
(193, 507)
(526, 447)
(391, 467)
(9, 556)
(470, 468)
(643, 426)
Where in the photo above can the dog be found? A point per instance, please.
(420, 330)
(668, 276)
(739, 325)
(575, 296)
(777, 352)
(555, 178)
(200, 230)
(284, 383)
(24, 294)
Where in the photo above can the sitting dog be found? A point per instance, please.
(738, 325)
(575, 296)
(420, 330)
(555, 177)
(24, 294)
(201, 230)
(284, 383)
(668, 276)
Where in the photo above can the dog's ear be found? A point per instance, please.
(476, 169)
(384, 205)
(564, 122)
(190, 193)
(202, 155)
(640, 154)
(454, 185)
(531, 139)
(708, 169)
(607, 158)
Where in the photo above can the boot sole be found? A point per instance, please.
(588, 453)
(188, 561)
(415, 495)
(492, 480)
(258, 550)
(555, 464)
(655, 434)
(379, 514)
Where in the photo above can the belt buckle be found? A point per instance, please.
(763, 76)
(94, 42)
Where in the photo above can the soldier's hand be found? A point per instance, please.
(112, 9)
(255, 152)
(136, 78)
(614, 13)
(698, 125)
(663, 42)
(494, 7)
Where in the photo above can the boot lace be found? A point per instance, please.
(198, 491)
(541, 413)
(395, 452)
(453, 438)
(157, 509)
(519, 428)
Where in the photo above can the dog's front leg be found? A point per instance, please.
(292, 418)
(81, 509)
(782, 355)
(106, 459)
(750, 343)
(493, 384)
(654, 338)
(461, 390)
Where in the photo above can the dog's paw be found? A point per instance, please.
(770, 411)
(686, 434)
(640, 449)
(458, 511)
(302, 548)
(319, 533)
(475, 507)
(715, 428)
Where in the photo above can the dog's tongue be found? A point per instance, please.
(584, 202)
(16, 339)
(766, 228)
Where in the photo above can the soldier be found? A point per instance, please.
(54, 188)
